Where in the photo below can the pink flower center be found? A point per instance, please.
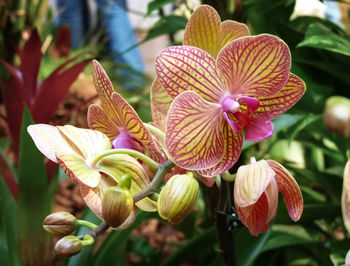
(229, 104)
(126, 141)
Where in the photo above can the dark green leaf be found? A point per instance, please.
(318, 36)
(166, 25)
(33, 200)
(248, 247)
(156, 4)
(8, 208)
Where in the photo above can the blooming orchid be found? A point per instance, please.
(256, 194)
(118, 120)
(214, 99)
(78, 152)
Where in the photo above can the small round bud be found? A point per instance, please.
(336, 115)
(117, 204)
(177, 198)
(68, 246)
(60, 223)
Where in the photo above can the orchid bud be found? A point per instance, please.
(336, 115)
(68, 246)
(117, 205)
(177, 198)
(60, 223)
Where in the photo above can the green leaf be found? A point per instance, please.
(166, 25)
(248, 247)
(8, 208)
(309, 119)
(201, 241)
(318, 36)
(156, 4)
(288, 235)
(113, 249)
(33, 201)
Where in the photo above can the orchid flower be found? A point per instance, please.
(118, 120)
(214, 100)
(256, 194)
(78, 152)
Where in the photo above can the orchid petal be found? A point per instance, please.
(133, 125)
(100, 121)
(281, 102)
(251, 182)
(272, 198)
(254, 216)
(49, 140)
(255, 66)
(259, 128)
(118, 165)
(207, 181)
(232, 150)
(93, 196)
(76, 167)
(194, 132)
(160, 97)
(289, 188)
(159, 119)
(251, 103)
(183, 68)
(129, 221)
(205, 30)
(86, 141)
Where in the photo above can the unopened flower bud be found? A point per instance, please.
(336, 115)
(60, 223)
(68, 246)
(177, 198)
(117, 205)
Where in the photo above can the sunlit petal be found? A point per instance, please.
(160, 97)
(251, 182)
(76, 167)
(88, 142)
(194, 132)
(345, 199)
(289, 188)
(232, 150)
(205, 30)
(183, 68)
(255, 66)
(49, 140)
(100, 121)
(281, 102)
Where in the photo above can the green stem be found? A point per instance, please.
(151, 163)
(155, 130)
(87, 224)
(152, 187)
(87, 240)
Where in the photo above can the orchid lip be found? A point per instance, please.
(229, 104)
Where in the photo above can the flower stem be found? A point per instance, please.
(155, 130)
(152, 187)
(225, 236)
(151, 163)
(87, 240)
(87, 224)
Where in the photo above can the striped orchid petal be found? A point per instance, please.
(133, 125)
(255, 66)
(281, 102)
(187, 68)
(100, 121)
(251, 182)
(205, 30)
(159, 119)
(289, 188)
(232, 150)
(49, 140)
(160, 97)
(118, 165)
(193, 135)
